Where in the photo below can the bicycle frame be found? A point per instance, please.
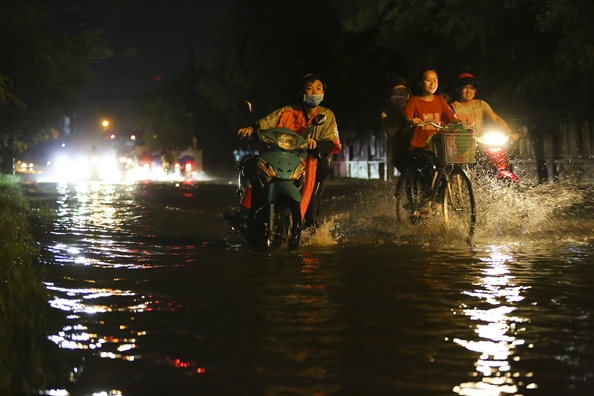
(451, 196)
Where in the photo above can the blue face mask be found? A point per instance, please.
(313, 100)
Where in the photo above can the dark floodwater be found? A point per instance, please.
(153, 296)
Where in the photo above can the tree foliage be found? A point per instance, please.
(532, 55)
(266, 47)
(6, 97)
(165, 123)
(47, 66)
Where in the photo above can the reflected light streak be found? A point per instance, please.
(496, 328)
(55, 392)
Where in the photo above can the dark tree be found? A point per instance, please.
(47, 68)
(535, 56)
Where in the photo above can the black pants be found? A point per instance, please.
(420, 160)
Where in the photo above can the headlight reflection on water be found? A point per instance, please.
(498, 330)
(64, 392)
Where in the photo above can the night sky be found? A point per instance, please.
(159, 33)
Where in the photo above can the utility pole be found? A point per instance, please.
(196, 142)
(193, 101)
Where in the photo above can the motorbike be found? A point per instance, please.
(492, 155)
(185, 169)
(271, 184)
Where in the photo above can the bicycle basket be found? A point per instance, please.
(455, 148)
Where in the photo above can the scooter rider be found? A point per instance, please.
(473, 111)
(323, 140)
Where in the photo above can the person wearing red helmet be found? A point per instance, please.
(474, 111)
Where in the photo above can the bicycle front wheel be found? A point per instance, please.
(458, 203)
(408, 196)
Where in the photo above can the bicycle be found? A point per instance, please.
(451, 194)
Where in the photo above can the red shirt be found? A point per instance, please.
(436, 111)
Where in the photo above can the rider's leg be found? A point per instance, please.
(429, 176)
(313, 210)
(425, 163)
(248, 195)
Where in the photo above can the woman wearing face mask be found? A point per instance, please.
(395, 125)
(323, 139)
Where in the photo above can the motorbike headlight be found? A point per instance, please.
(286, 142)
(493, 138)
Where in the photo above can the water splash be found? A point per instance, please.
(549, 211)
(322, 236)
(506, 212)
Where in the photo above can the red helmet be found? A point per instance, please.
(465, 79)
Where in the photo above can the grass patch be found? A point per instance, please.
(23, 298)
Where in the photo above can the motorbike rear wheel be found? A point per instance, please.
(459, 208)
(286, 230)
(408, 197)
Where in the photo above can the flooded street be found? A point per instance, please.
(152, 295)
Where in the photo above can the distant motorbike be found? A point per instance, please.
(186, 164)
(186, 170)
(492, 157)
(125, 163)
(275, 190)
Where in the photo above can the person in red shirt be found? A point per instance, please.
(423, 108)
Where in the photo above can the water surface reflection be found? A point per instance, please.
(499, 331)
(152, 296)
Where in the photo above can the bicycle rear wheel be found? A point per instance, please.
(459, 209)
(408, 196)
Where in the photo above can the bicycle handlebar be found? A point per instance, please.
(441, 127)
(425, 123)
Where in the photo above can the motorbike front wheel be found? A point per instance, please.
(285, 232)
(459, 209)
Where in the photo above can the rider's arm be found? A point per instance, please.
(409, 112)
(323, 149)
(448, 114)
(248, 130)
(488, 111)
(326, 134)
(270, 121)
(387, 127)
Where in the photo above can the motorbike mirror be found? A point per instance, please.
(319, 119)
(245, 106)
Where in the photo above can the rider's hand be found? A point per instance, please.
(416, 121)
(245, 132)
(311, 143)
